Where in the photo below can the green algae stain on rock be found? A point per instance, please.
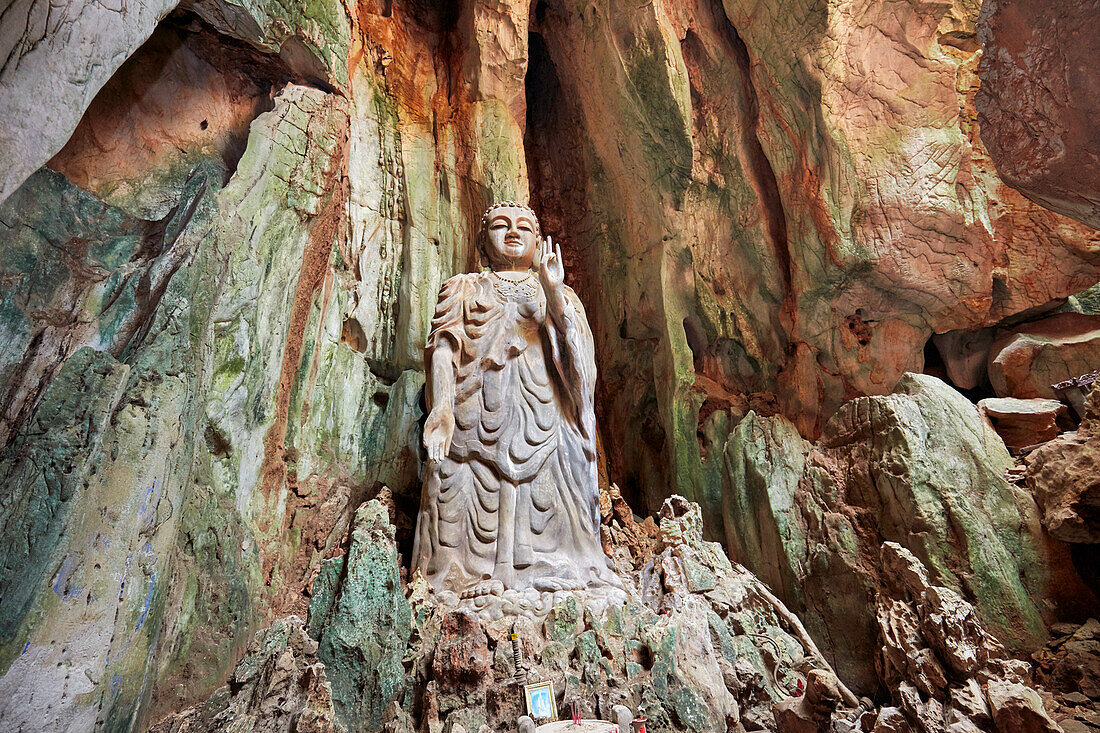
(40, 479)
(313, 38)
(363, 627)
(114, 424)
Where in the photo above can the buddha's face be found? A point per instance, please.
(512, 238)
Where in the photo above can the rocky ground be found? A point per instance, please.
(701, 645)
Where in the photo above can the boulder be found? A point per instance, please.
(812, 711)
(891, 720)
(1028, 360)
(1064, 477)
(1021, 423)
(1018, 708)
(918, 467)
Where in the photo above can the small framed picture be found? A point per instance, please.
(540, 700)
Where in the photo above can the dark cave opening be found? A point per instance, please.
(555, 168)
(559, 181)
(935, 364)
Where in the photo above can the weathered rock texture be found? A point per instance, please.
(701, 646)
(918, 467)
(944, 670)
(55, 60)
(1069, 668)
(279, 687)
(1030, 359)
(1064, 476)
(363, 622)
(215, 298)
(1039, 101)
(784, 198)
(1023, 423)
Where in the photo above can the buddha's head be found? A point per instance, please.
(510, 236)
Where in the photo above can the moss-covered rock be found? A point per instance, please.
(363, 622)
(918, 467)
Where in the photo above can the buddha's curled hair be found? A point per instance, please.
(513, 205)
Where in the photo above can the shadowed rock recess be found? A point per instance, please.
(810, 237)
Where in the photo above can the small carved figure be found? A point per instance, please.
(510, 499)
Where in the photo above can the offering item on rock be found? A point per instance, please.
(510, 501)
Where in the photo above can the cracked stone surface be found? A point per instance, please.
(1039, 101)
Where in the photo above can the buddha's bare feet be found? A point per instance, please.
(484, 588)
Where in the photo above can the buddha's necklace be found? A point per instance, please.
(508, 288)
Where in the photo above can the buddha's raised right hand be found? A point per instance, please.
(438, 431)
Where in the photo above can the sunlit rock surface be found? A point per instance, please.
(55, 60)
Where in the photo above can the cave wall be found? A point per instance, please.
(1038, 101)
(217, 288)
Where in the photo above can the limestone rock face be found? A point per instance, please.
(312, 39)
(918, 467)
(216, 293)
(166, 324)
(787, 198)
(1039, 100)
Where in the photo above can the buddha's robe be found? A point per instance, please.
(516, 497)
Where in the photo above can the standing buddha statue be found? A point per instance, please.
(510, 502)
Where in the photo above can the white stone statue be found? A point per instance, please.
(510, 501)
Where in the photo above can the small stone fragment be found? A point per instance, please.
(1022, 423)
(891, 720)
(1018, 709)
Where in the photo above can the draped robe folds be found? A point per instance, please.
(516, 498)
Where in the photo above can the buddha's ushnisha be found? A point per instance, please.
(510, 499)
